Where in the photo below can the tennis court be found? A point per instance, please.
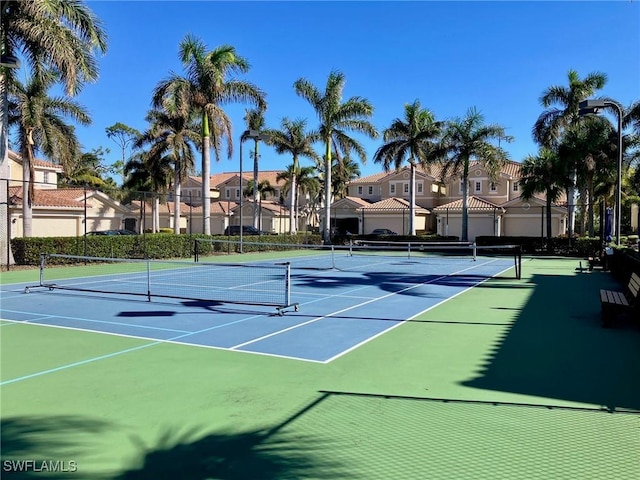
(399, 367)
(335, 301)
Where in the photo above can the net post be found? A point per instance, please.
(43, 260)
(333, 257)
(474, 247)
(148, 279)
(518, 262)
(195, 250)
(409, 250)
(287, 290)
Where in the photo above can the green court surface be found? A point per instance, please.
(513, 379)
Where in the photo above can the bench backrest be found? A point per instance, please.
(634, 284)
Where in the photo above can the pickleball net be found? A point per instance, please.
(241, 283)
(370, 255)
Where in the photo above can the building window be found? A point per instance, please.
(493, 187)
(370, 190)
(46, 177)
(237, 193)
(392, 188)
(478, 187)
(406, 188)
(419, 187)
(227, 193)
(360, 190)
(461, 186)
(515, 186)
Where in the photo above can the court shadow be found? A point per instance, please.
(148, 313)
(556, 348)
(267, 454)
(389, 282)
(51, 444)
(231, 456)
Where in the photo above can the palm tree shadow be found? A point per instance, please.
(51, 439)
(229, 456)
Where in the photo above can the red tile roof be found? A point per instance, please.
(473, 204)
(393, 203)
(49, 198)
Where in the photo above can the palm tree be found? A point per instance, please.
(544, 173)
(254, 119)
(337, 118)
(293, 139)
(86, 169)
(149, 173)
(590, 143)
(470, 139)
(203, 91)
(263, 188)
(40, 122)
(562, 106)
(342, 172)
(175, 136)
(305, 181)
(411, 139)
(61, 34)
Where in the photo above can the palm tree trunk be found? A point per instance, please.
(412, 200)
(176, 204)
(571, 200)
(154, 225)
(27, 206)
(6, 254)
(549, 249)
(465, 203)
(206, 181)
(293, 205)
(326, 235)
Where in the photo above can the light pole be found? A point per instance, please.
(255, 135)
(594, 106)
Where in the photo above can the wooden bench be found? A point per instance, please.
(614, 302)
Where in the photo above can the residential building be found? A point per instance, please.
(495, 207)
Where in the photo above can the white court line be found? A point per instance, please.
(410, 318)
(313, 320)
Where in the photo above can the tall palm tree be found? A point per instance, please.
(544, 173)
(293, 139)
(175, 136)
(337, 119)
(562, 107)
(254, 119)
(60, 34)
(263, 188)
(204, 89)
(149, 173)
(40, 122)
(411, 139)
(466, 139)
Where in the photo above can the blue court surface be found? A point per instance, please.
(338, 310)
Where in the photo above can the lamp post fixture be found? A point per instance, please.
(254, 135)
(594, 106)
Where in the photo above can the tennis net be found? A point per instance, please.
(241, 283)
(372, 255)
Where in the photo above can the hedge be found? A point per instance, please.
(26, 251)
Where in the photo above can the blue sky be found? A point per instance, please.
(496, 56)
